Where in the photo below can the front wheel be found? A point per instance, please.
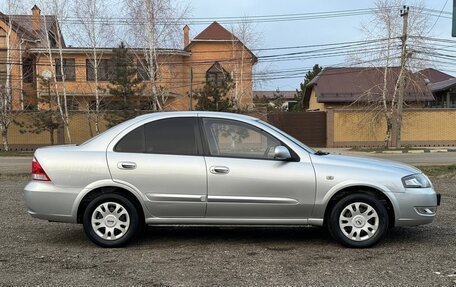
(111, 220)
(358, 220)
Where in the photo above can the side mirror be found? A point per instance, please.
(281, 152)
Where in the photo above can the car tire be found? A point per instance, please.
(111, 220)
(358, 220)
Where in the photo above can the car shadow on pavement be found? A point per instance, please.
(71, 235)
(234, 234)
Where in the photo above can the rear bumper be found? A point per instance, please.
(46, 201)
(416, 206)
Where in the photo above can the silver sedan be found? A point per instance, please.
(210, 168)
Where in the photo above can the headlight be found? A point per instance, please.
(416, 181)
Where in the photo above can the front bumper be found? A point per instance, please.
(416, 206)
(46, 201)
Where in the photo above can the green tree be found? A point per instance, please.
(302, 103)
(213, 96)
(124, 84)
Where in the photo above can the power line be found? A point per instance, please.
(440, 14)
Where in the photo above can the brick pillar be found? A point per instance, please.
(329, 127)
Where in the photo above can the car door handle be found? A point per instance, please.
(219, 169)
(126, 165)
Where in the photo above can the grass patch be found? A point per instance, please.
(436, 170)
(16, 153)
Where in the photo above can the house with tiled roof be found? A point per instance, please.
(179, 70)
(216, 45)
(27, 32)
(358, 87)
(443, 87)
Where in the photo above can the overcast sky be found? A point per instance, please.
(306, 32)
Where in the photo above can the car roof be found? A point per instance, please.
(195, 114)
(103, 139)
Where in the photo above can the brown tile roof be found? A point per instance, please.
(434, 75)
(443, 85)
(217, 32)
(23, 24)
(363, 84)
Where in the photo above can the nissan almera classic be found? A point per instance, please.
(208, 168)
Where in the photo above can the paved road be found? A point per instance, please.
(14, 165)
(37, 252)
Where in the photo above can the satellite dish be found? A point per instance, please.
(46, 74)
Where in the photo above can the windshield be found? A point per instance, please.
(284, 134)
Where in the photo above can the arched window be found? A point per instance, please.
(216, 75)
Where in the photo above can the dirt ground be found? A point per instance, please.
(36, 252)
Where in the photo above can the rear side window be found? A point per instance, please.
(168, 136)
(134, 141)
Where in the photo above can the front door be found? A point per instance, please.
(162, 160)
(244, 179)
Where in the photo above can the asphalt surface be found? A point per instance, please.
(36, 252)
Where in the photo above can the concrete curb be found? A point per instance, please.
(416, 151)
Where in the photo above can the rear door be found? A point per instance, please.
(162, 160)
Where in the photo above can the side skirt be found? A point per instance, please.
(232, 221)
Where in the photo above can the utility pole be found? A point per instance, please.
(191, 88)
(402, 75)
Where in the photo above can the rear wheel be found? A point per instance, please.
(111, 220)
(358, 220)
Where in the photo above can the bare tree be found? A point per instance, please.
(59, 9)
(244, 35)
(7, 110)
(94, 31)
(392, 54)
(157, 24)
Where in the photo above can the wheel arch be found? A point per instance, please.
(377, 193)
(89, 196)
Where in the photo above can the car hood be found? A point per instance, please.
(367, 163)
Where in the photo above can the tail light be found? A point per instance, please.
(38, 172)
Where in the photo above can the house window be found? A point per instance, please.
(452, 103)
(2, 67)
(143, 70)
(102, 106)
(52, 40)
(73, 104)
(143, 73)
(69, 70)
(2, 38)
(105, 70)
(27, 70)
(216, 75)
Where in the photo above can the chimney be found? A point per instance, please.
(186, 36)
(36, 18)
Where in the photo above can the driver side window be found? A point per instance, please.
(235, 139)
